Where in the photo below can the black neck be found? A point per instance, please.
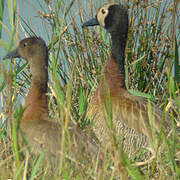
(118, 49)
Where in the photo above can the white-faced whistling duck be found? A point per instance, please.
(130, 118)
(41, 133)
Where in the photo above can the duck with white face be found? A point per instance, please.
(130, 118)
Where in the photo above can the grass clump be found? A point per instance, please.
(76, 58)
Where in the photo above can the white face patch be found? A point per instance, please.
(103, 12)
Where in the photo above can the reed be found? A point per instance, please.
(76, 59)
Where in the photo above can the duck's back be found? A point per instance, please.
(45, 137)
(131, 119)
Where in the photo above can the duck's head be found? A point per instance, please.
(112, 16)
(29, 49)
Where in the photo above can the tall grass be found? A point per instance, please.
(76, 58)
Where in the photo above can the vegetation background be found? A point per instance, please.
(76, 58)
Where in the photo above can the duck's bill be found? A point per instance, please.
(91, 22)
(12, 54)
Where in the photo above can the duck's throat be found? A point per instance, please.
(36, 100)
(118, 50)
(113, 76)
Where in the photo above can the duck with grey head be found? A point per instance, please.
(40, 132)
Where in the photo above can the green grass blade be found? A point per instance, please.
(36, 166)
(1, 15)
(176, 63)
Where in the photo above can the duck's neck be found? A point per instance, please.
(114, 70)
(36, 100)
(118, 50)
(39, 78)
(38, 88)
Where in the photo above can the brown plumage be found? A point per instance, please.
(41, 133)
(130, 119)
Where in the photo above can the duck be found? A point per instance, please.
(41, 133)
(116, 115)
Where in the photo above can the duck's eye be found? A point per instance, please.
(25, 44)
(103, 11)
